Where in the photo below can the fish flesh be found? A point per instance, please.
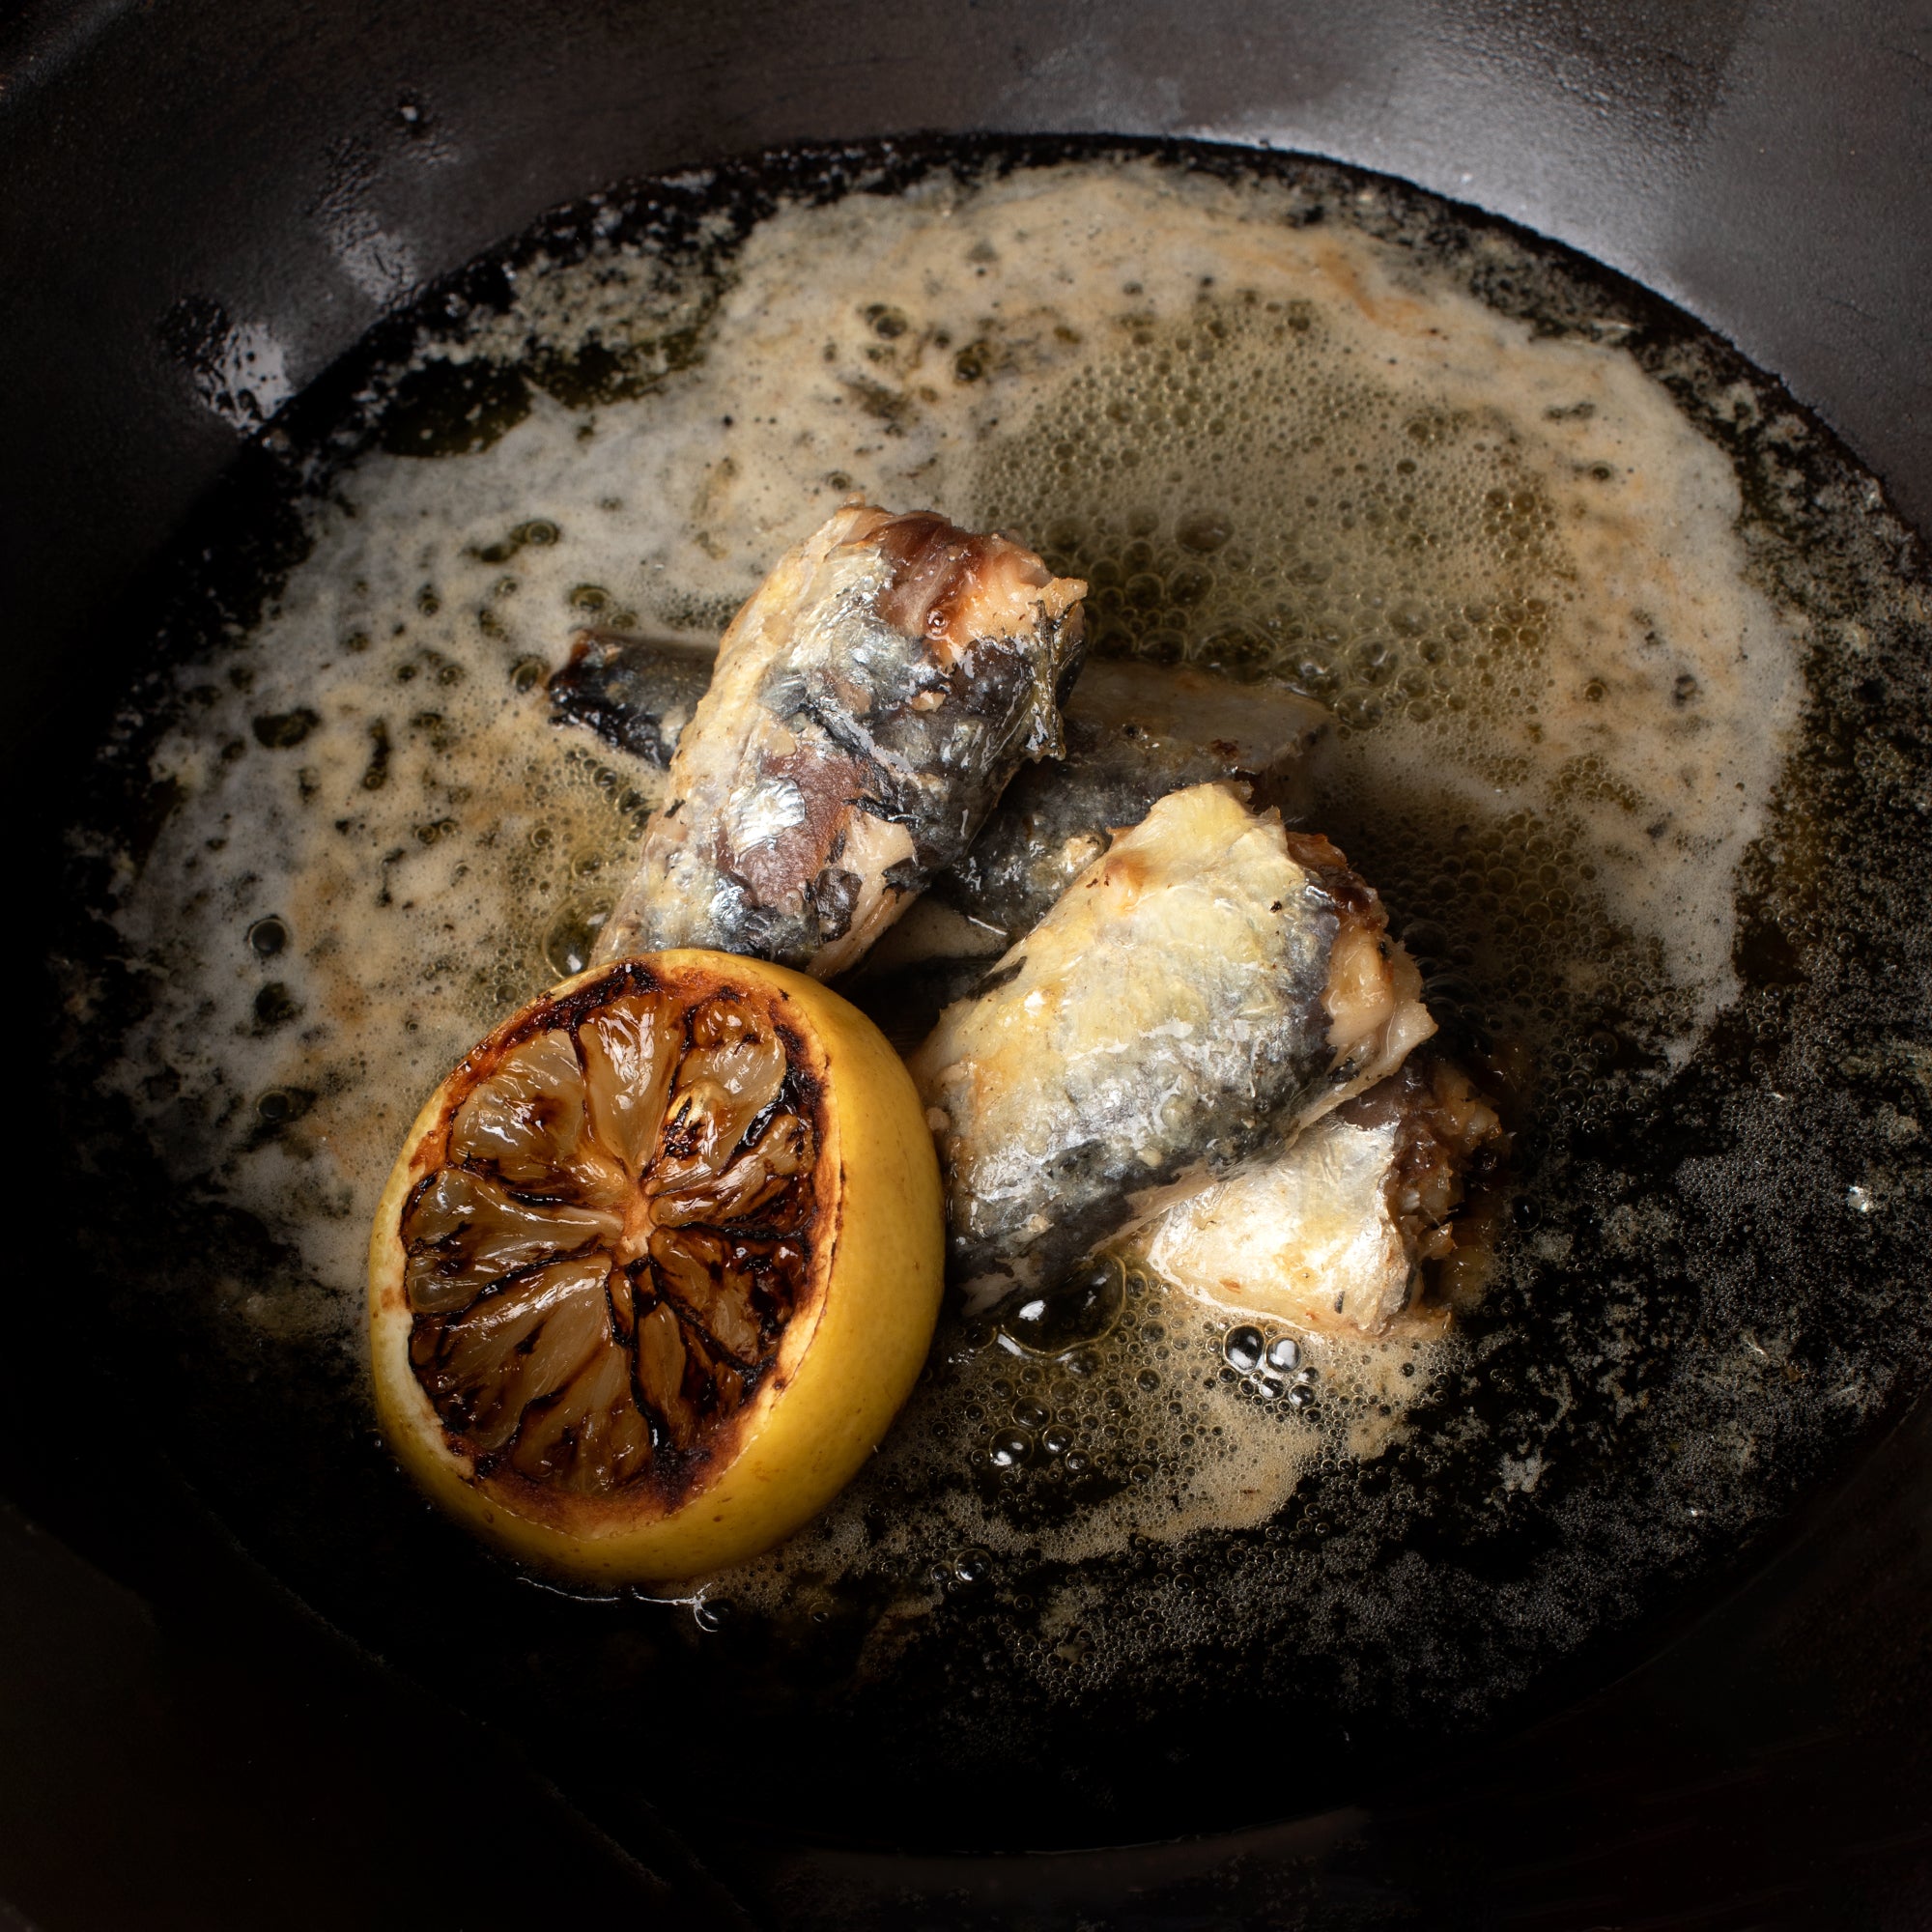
(1201, 992)
(1333, 1232)
(869, 705)
(1134, 733)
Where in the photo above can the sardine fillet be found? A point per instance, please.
(1198, 994)
(869, 703)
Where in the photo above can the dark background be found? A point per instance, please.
(180, 1743)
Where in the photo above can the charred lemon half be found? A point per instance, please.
(658, 1264)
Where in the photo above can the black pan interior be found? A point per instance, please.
(196, 165)
(1757, 1193)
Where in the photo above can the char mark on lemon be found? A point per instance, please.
(612, 1233)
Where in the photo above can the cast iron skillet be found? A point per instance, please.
(1761, 171)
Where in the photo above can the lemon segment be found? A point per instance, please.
(656, 1267)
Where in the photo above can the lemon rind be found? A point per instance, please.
(825, 1406)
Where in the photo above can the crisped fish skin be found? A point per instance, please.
(1134, 732)
(636, 692)
(869, 703)
(1332, 1233)
(1199, 993)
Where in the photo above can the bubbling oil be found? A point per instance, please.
(1529, 749)
(1167, 1422)
(1292, 427)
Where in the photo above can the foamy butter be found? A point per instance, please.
(1153, 1429)
(1508, 564)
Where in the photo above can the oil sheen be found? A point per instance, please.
(1286, 433)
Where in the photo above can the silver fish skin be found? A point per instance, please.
(1198, 994)
(869, 703)
(1331, 1234)
(1134, 732)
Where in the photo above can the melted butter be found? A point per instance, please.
(1507, 561)
(1146, 1436)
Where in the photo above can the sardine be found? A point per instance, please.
(1134, 733)
(1201, 992)
(1334, 1232)
(869, 705)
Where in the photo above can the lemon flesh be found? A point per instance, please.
(656, 1267)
